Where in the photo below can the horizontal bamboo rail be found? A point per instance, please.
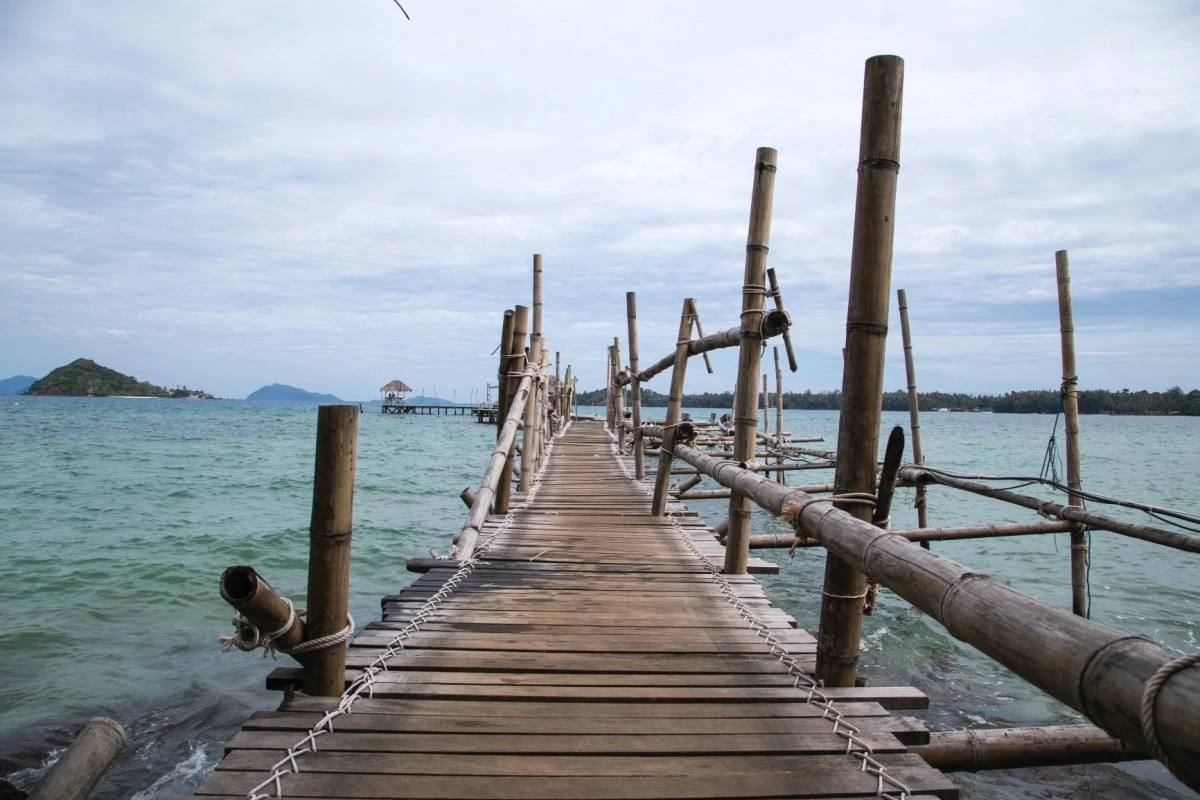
(1179, 541)
(949, 534)
(469, 535)
(1008, 748)
(774, 324)
(1098, 672)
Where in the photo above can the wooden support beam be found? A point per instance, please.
(866, 336)
(745, 402)
(1070, 402)
(1012, 748)
(658, 505)
(329, 547)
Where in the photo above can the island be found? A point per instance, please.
(85, 378)
(17, 384)
(279, 391)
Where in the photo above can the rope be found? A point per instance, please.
(800, 679)
(1149, 726)
(247, 637)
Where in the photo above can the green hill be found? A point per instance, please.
(85, 378)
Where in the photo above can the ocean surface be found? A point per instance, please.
(117, 517)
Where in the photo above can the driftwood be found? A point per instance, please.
(79, 769)
(1009, 748)
(1099, 672)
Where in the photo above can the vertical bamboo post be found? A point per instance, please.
(766, 406)
(516, 363)
(745, 402)
(866, 335)
(787, 335)
(635, 393)
(529, 437)
(658, 504)
(1070, 401)
(619, 405)
(778, 415)
(569, 389)
(558, 417)
(506, 330)
(536, 330)
(914, 410)
(329, 547)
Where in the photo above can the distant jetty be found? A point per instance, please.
(85, 378)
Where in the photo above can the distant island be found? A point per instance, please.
(278, 391)
(85, 378)
(17, 384)
(1173, 402)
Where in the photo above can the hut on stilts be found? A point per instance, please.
(392, 395)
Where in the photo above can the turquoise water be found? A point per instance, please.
(119, 516)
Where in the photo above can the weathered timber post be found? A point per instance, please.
(914, 411)
(608, 390)
(512, 378)
(79, 769)
(329, 547)
(619, 396)
(569, 388)
(532, 439)
(778, 414)
(529, 432)
(558, 418)
(1070, 402)
(773, 282)
(745, 401)
(766, 406)
(635, 392)
(506, 330)
(866, 335)
(658, 504)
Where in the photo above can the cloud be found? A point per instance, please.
(336, 194)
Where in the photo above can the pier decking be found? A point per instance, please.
(590, 652)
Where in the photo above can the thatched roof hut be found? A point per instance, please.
(395, 386)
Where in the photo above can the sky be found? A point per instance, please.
(225, 195)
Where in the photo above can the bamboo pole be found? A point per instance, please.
(619, 405)
(635, 392)
(987, 531)
(787, 336)
(765, 397)
(79, 769)
(1180, 541)
(537, 296)
(708, 367)
(914, 410)
(778, 412)
(497, 467)
(570, 389)
(329, 547)
(658, 504)
(506, 330)
(610, 387)
(255, 599)
(1011, 748)
(1099, 672)
(513, 374)
(775, 322)
(866, 335)
(558, 417)
(529, 438)
(1070, 401)
(745, 402)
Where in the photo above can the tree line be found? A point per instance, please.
(1174, 401)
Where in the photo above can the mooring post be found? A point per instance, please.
(79, 769)
(619, 395)
(778, 415)
(866, 336)
(1070, 403)
(329, 547)
(529, 432)
(635, 392)
(914, 410)
(658, 504)
(745, 402)
(515, 348)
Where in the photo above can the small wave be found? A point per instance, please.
(183, 776)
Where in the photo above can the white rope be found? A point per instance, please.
(247, 637)
(800, 679)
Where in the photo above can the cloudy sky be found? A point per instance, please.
(325, 194)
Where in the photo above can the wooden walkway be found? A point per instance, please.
(589, 655)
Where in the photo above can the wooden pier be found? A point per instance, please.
(432, 408)
(589, 653)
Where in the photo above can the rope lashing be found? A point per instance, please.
(247, 637)
(792, 509)
(1149, 725)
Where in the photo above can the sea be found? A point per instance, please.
(117, 517)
